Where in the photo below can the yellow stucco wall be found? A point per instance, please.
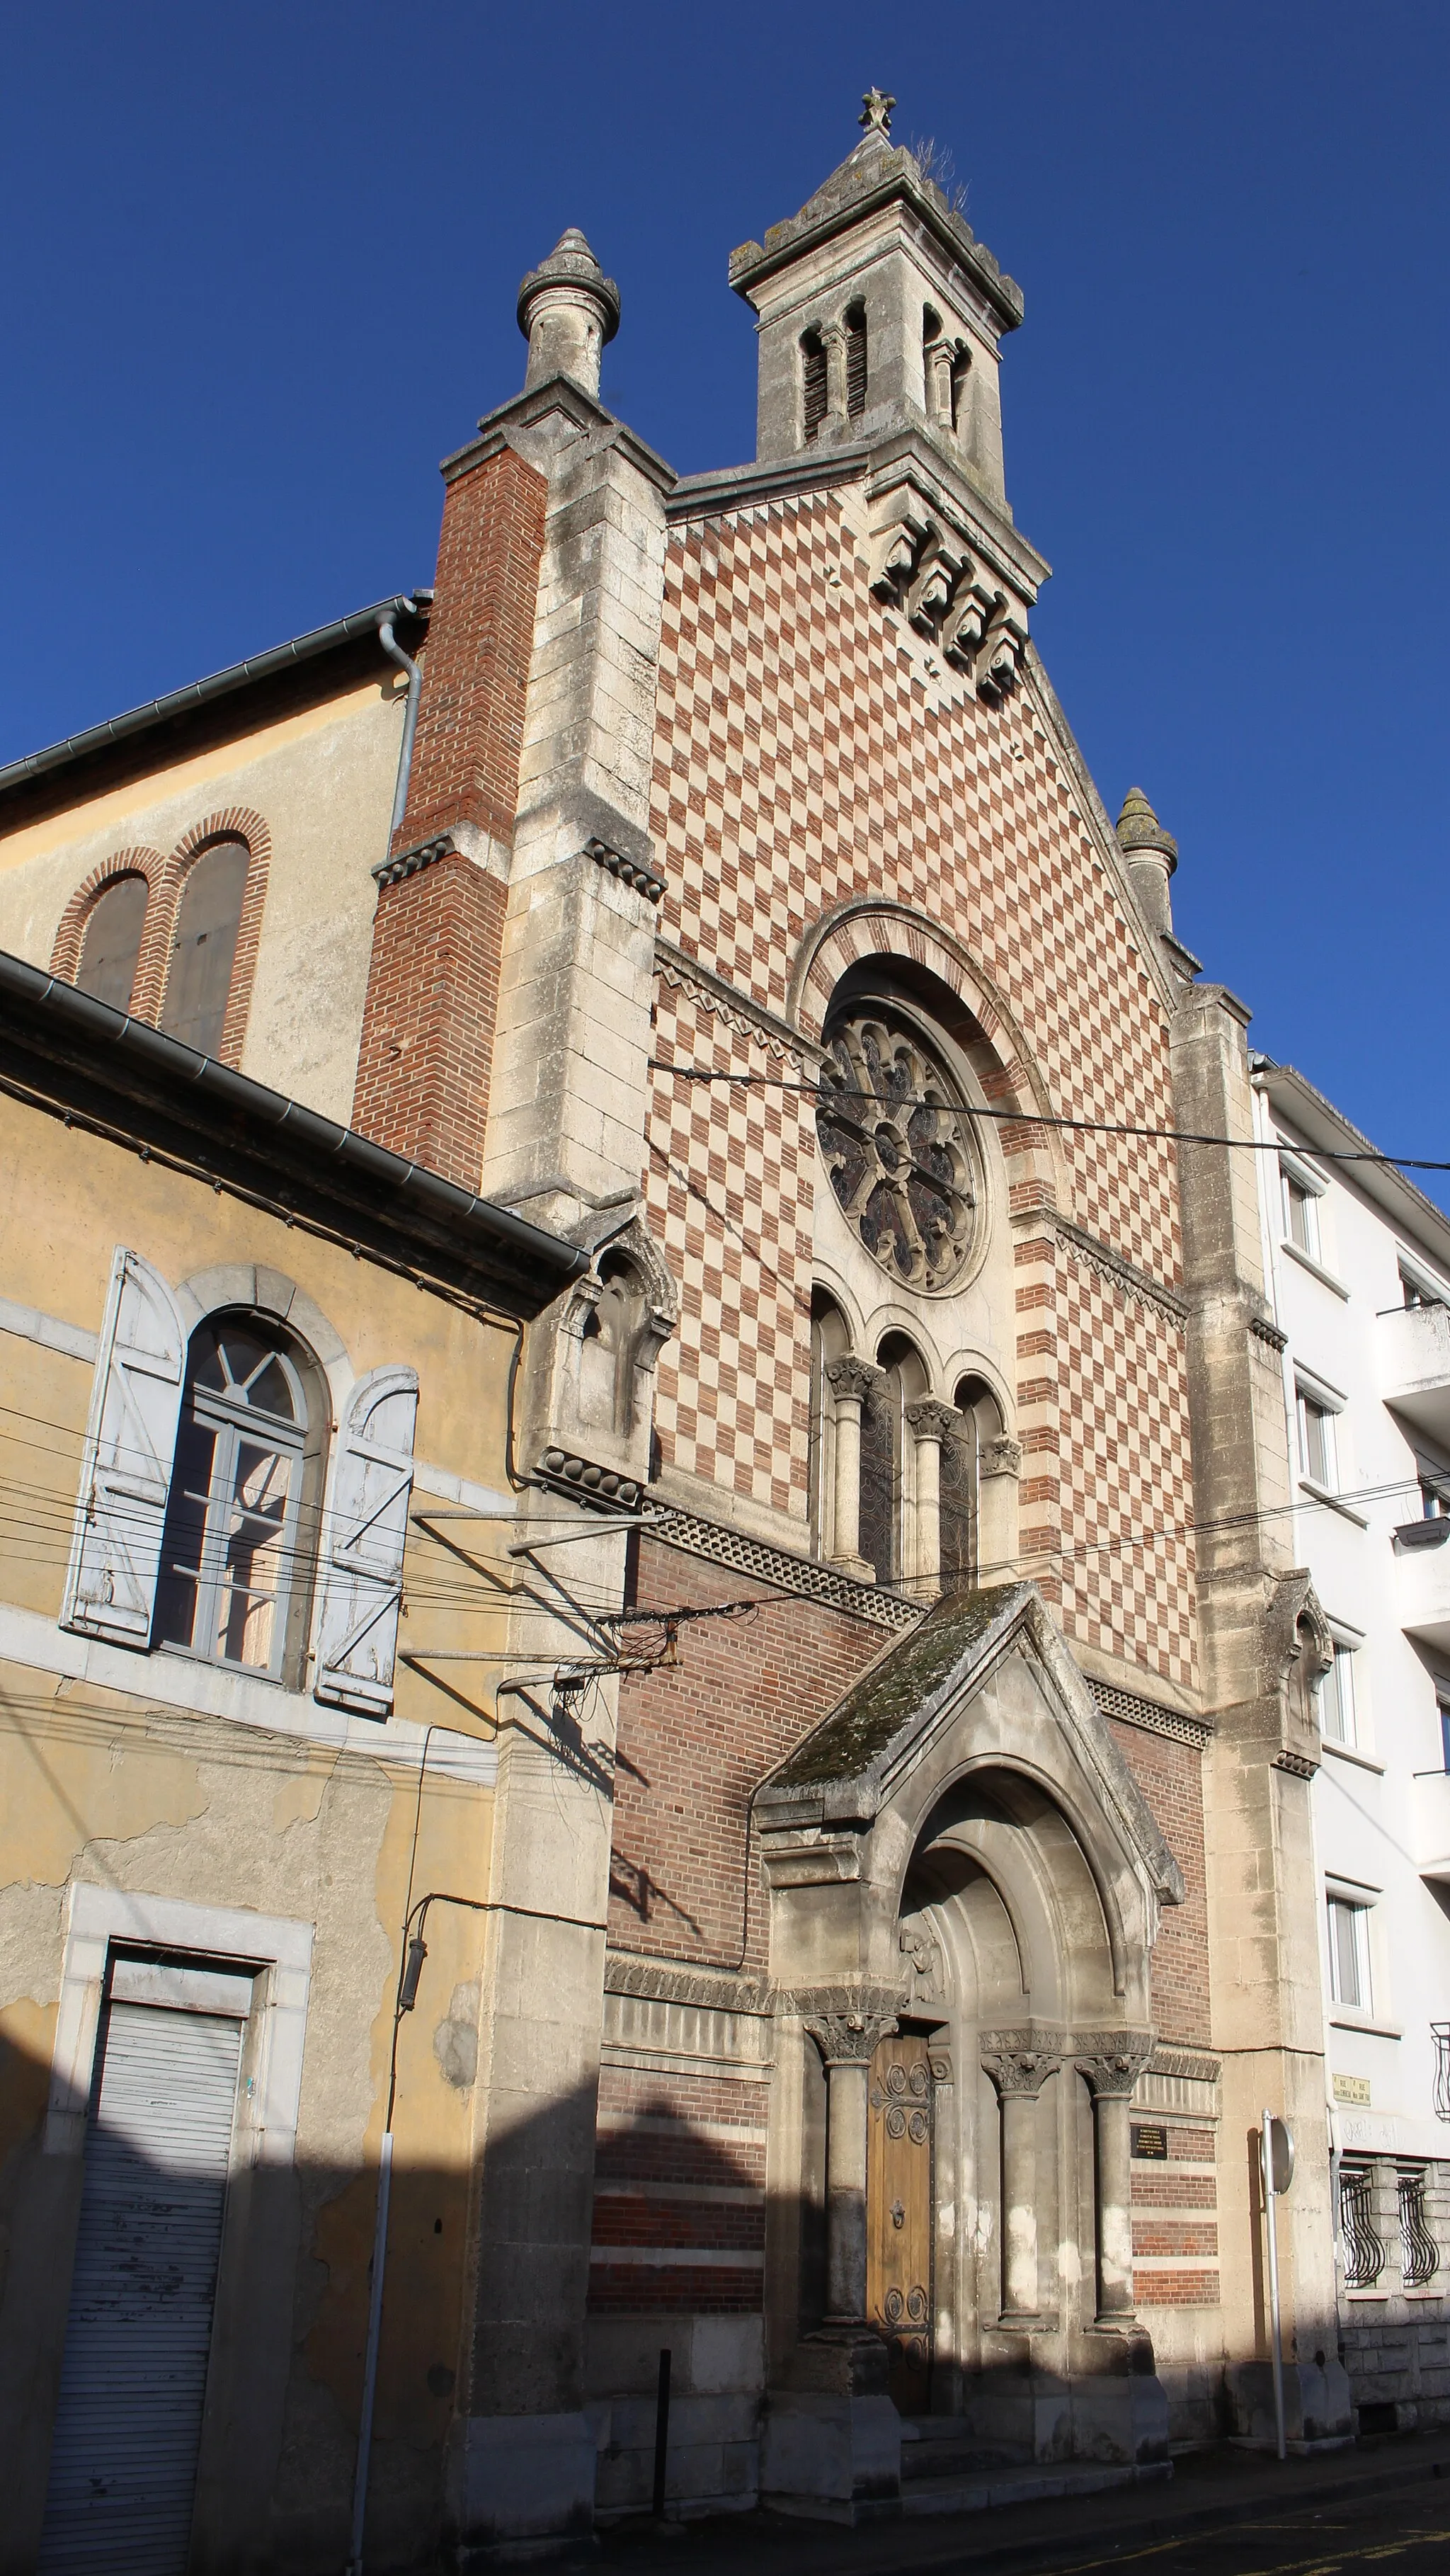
(323, 782)
(110, 1788)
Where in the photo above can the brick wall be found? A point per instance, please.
(480, 646)
(1175, 2225)
(1171, 1778)
(695, 1741)
(426, 1049)
(425, 1055)
(679, 2194)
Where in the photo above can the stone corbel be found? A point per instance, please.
(966, 625)
(899, 546)
(939, 575)
(1300, 1650)
(1001, 653)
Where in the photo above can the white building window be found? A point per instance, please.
(1349, 1979)
(1419, 1289)
(1442, 1703)
(1336, 1696)
(1316, 1440)
(1301, 1213)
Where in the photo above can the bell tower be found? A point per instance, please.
(880, 319)
(879, 309)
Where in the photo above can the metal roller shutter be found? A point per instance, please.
(128, 2419)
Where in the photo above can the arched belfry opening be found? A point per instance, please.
(965, 1885)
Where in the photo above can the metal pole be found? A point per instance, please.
(370, 2366)
(1266, 2152)
(662, 2432)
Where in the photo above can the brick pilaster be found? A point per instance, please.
(480, 645)
(428, 1022)
(425, 1053)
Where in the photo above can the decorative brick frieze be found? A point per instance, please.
(411, 862)
(1151, 1715)
(631, 872)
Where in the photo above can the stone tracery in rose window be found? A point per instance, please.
(896, 1142)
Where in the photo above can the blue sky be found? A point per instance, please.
(260, 276)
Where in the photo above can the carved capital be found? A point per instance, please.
(852, 1379)
(1111, 2062)
(1001, 1457)
(846, 2022)
(1020, 2070)
(930, 1420)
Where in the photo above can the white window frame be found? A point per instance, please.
(1300, 1177)
(1346, 1648)
(1326, 1401)
(1429, 1290)
(1358, 1903)
(276, 1950)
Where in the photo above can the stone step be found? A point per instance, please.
(1023, 2483)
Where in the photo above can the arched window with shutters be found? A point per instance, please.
(203, 950)
(111, 940)
(246, 1487)
(200, 1521)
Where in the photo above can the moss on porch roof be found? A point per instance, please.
(873, 1713)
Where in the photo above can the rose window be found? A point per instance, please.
(896, 1140)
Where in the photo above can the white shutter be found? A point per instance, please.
(138, 2336)
(357, 1635)
(130, 1443)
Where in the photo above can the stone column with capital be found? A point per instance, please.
(1019, 2075)
(929, 1423)
(833, 340)
(998, 1468)
(850, 1380)
(830, 2440)
(846, 2033)
(1111, 2077)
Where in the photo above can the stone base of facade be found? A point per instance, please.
(523, 2486)
(1318, 2415)
(1398, 2364)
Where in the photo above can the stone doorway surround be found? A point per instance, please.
(963, 1874)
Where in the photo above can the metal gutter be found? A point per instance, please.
(199, 693)
(94, 1026)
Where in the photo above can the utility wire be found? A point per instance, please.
(829, 1095)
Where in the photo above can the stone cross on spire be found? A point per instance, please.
(876, 107)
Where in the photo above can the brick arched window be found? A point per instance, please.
(110, 942)
(204, 945)
(215, 888)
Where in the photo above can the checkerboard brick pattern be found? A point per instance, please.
(803, 761)
(730, 1183)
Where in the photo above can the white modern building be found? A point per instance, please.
(1358, 1267)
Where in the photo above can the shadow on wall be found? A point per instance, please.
(182, 2347)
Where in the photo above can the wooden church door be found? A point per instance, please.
(899, 2214)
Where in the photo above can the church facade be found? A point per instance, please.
(901, 1900)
